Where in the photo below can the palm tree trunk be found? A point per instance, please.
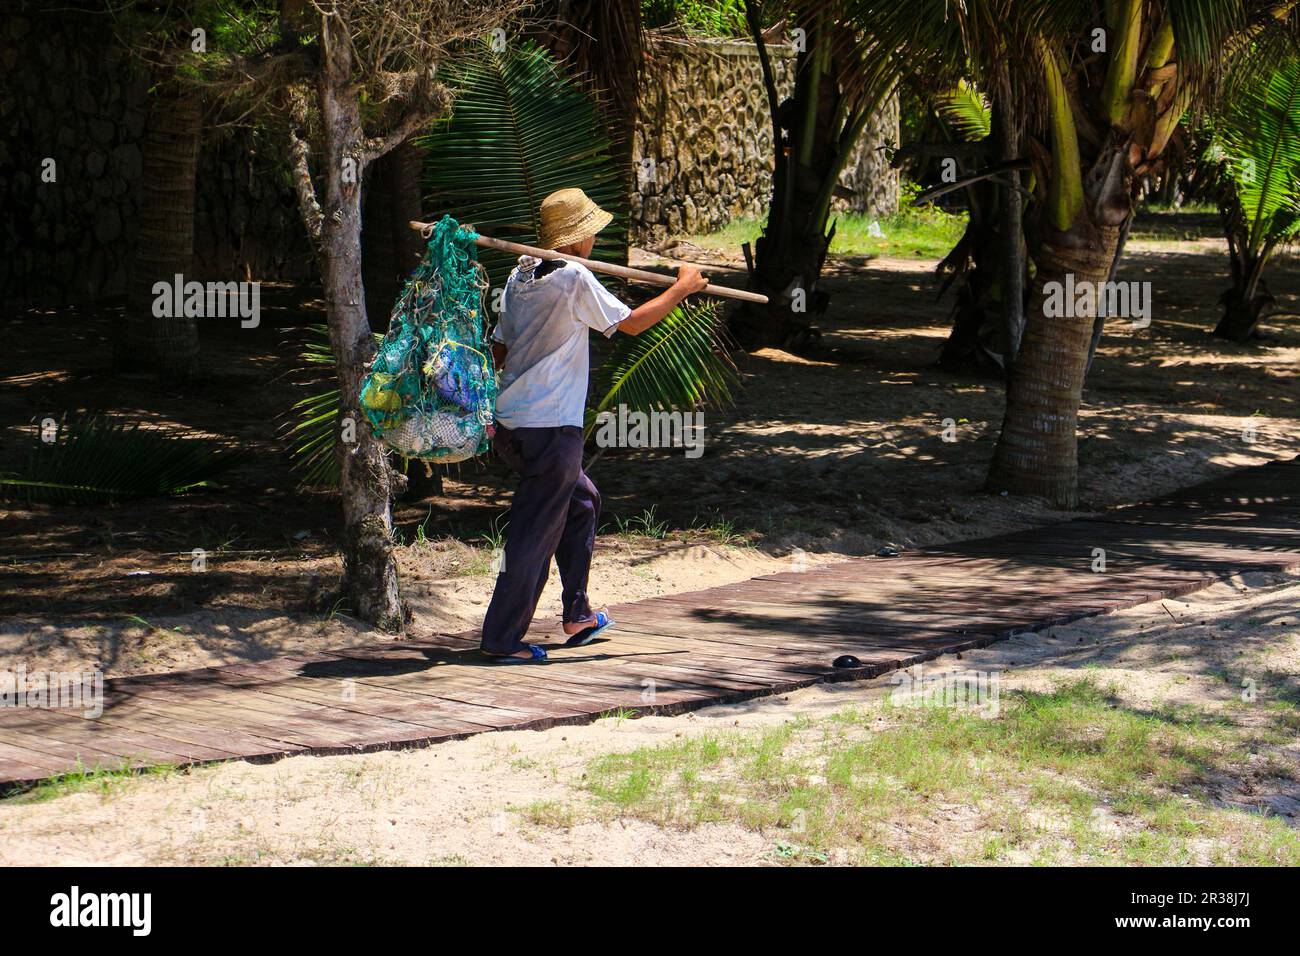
(1037, 453)
(1239, 319)
(785, 262)
(164, 246)
(792, 250)
(1246, 302)
(1012, 256)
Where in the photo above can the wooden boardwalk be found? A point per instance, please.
(667, 654)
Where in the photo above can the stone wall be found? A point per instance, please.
(703, 144)
(67, 96)
(70, 93)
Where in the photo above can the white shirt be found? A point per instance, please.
(543, 326)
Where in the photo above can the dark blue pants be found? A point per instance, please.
(553, 514)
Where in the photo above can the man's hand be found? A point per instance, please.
(690, 281)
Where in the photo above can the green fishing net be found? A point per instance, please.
(431, 389)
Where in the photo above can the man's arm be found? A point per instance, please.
(689, 281)
(498, 354)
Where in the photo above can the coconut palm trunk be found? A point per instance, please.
(1037, 453)
(1246, 303)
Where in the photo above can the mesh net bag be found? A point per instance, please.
(431, 388)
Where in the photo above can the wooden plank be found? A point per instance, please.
(308, 727)
(114, 734)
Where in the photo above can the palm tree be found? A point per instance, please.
(838, 87)
(603, 41)
(1257, 146)
(989, 259)
(1104, 86)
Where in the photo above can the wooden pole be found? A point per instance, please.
(623, 272)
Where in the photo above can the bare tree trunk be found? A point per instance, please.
(366, 481)
(1037, 453)
(164, 246)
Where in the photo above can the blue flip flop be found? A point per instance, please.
(587, 635)
(539, 656)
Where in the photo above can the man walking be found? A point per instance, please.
(541, 346)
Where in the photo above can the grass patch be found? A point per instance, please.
(548, 813)
(1070, 775)
(924, 233)
(720, 529)
(1187, 223)
(646, 524)
(104, 781)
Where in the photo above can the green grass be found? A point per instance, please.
(722, 530)
(105, 782)
(1037, 784)
(925, 233)
(930, 233)
(1163, 224)
(646, 524)
(548, 813)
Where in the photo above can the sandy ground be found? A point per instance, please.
(518, 797)
(448, 584)
(834, 454)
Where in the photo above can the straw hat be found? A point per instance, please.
(568, 216)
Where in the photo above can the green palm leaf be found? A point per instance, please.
(312, 424)
(1258, 146)
(519, 131)
(681, 362)
(967, 109)
(93, 460)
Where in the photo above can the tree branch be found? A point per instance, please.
(408, 126)
(299, 154)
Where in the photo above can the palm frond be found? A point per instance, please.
(311, 426)
(519, 131)
(968, 110)
(681, 362)
(1257, 144)
(93, 460)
